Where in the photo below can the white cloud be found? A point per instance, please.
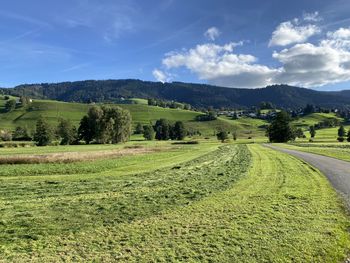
(326, 61)
(221, 66)
(289, 33)
(311, 65)
(312, 17)
(212, 33)
(160, 75)
(341, 33)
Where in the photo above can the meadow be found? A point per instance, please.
(335, 150)
(204, 202)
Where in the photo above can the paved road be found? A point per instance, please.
(337, 171)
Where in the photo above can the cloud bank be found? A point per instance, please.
(300, 62)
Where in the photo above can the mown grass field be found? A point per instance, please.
(336, 150)
(190, 203)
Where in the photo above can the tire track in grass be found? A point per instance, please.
(282, 211)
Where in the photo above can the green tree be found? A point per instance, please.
(235, 116)
(90, 125)
(105, 125)
(178, 131)
(163, 129)
(341, 133)
(148, 132)
(43, 133)
(280, 130)
(299, 133)
(66, 132)
(222, 136)
(24, 101)
(348, 138)
(312, 131)
(21, 134)
(10, 105)
(118, 124)
(234, 135)
(84, 131)
(139, 128)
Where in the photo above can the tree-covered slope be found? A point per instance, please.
(199, 95)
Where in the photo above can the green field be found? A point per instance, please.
(306, 121)
(336, 150)
(140, 111)
(189, 203)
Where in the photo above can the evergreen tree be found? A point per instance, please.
(148, 132)
(280, 129)
(341, 133)
(348, 138)
(43, 133)
(312, 131)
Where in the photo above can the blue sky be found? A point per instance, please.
(248, 43)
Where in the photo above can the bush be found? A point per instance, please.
(222, 136)
(341, 139)
(148, 132)
(189, 142)
(5, 135)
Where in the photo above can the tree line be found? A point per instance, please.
(101, 125)
(280, 130)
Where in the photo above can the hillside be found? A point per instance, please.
(198, 95)
(53, 110)
(314, 118)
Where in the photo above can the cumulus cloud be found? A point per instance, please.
(160, 75)
(221, 66)
(212, 33)
(311, 65)
(326, 61)
(290, 33)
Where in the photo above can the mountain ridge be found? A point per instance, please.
(198, 95)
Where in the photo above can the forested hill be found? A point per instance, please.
(198, 95)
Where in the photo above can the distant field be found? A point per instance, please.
(336, 150)
(141, 112)
(235, 203)
(314, 118)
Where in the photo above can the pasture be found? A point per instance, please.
(204, 202)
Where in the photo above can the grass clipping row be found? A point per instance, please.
(70, 157)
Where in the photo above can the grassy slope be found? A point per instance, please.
(314, 118)
(53, 110)
(281, 211)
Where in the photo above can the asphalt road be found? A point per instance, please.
(337, 171)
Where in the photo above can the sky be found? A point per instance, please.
(231, 43)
